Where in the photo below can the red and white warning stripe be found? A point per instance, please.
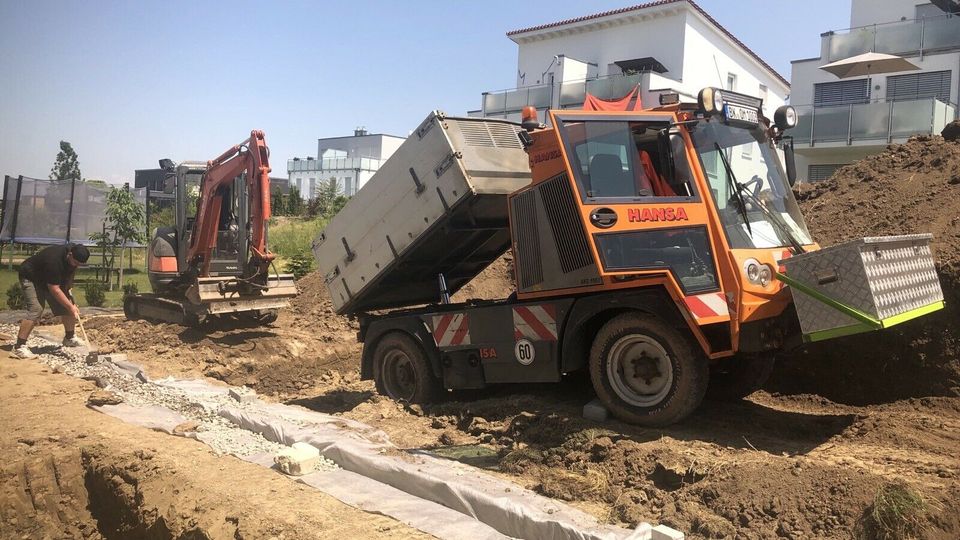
(704, 306)
(779, 256)
(536, 322)
(451, 329)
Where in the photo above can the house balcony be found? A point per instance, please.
(333, 164)
(567, 95)
(875, 123)
(923, 36)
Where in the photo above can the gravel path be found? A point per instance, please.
(137, 390)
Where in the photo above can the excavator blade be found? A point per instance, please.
(221, 295)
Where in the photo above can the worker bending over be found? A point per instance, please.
(47, 277)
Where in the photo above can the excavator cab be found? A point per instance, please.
(213, 259)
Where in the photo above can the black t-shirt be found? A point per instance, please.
(48, 266)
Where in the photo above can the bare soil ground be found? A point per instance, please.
(805, 458)
(70, 472)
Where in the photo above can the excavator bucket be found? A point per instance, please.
(226, 295)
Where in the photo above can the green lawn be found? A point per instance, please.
(114, 298)
(287, 237)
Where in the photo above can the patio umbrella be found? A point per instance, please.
(868, 64)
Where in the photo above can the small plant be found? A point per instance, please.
(129, 289)
(897, 512)
(95, 293)
(299, 265)
(15, 298)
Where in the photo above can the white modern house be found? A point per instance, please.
(352, 160)
(842, 120)
(664, 47)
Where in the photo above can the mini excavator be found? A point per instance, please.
(215, 263)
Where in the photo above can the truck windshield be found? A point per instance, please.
(756, 169)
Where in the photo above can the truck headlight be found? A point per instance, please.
(785, 117)
(757, 272)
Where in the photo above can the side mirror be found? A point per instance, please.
(789, 160)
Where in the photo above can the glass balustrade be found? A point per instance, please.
(871, 121)
(927, 34)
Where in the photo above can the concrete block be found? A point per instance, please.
(662, 532)
(298, 459)
(243, 394)
(595, 411)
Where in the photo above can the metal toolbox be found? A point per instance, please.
(863, 285)
(438, 205)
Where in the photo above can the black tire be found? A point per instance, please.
(267, 316)
(402, 371)
(677, 372)
(733, 379)
(130, 308)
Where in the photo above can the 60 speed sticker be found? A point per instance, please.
(524, 352)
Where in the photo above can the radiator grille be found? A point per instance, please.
(565, 223)
(489, 134)
(527, 236)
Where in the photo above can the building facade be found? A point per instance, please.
(668, 46)
(351, 160)
(843, 120)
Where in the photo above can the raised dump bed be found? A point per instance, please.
(863, 285)
(437, 206)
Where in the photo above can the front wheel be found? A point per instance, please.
(645, 372)
(402, 372)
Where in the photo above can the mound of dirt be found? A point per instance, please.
(909, 188)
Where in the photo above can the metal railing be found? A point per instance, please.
(333, 164)
(878, 121)
(921, 35)
(571, 94)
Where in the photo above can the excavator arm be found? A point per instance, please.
(252, 157)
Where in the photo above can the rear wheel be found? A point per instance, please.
(735, 378)
(402, 372)
(645, 372)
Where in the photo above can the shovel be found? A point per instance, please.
(93, 354)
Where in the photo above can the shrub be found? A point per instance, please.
(129, 289)
(897, 512)
(15, 298)
(299, 265)
(95, 293)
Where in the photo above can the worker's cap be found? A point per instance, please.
(80, 253)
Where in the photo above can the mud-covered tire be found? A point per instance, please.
(645, 372)
(402, 371)
(733, 379)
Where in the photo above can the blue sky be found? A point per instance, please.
(129, 82)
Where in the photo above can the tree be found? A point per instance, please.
(277, 203)
(329, 200)
(126, 217)
(294, 202)
(67, 165)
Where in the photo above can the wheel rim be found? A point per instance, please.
(399, 377)
(639, 370)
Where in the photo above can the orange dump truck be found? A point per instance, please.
(661, 250)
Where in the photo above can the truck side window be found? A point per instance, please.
(620, 159)
(685, 251)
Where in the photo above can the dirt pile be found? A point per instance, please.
(909, 188)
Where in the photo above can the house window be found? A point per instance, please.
(919, 86)
(818, 173)
(841, 92)
(348, 185)
(731, 82)
(313, 188)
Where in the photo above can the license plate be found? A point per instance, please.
(742, 114)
